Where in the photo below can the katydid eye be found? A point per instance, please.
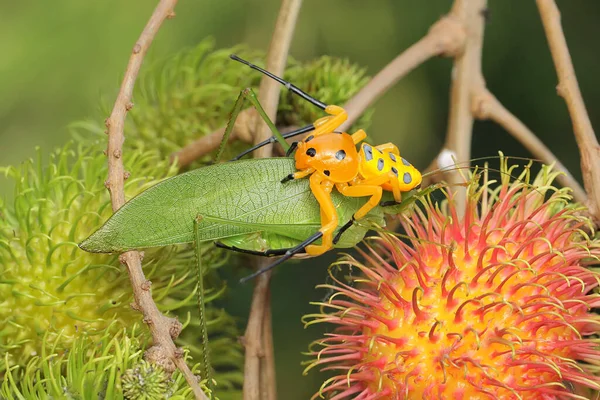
(311, 152)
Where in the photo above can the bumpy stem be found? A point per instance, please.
(163, 329)
(568, 88)
(446, 37)
(487, 106)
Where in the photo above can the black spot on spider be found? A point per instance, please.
(392, 157)
(340, 155)
(407, 178)
(308, 139)
(327, 172)
(338, 132)
(368, 152)
(311, 152)
(405, 162)
(380, 164)
(395, 171)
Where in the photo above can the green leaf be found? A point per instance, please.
(239, 198)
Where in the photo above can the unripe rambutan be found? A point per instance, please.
(49, 289)
(495, 304)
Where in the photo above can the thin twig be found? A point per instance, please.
(268, 378)
(162, 328)
(446, 37)
(256, 337)
(466, 74)
(568, 88)
(253, 337)
(269, 90)
(487, 106)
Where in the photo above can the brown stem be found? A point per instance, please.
(268, 96)
(269, 89)
(446, 37)
(198, 148)
(268, 381)
(466, 74)
(487, 106)
(568, 88)
(253, 337)
(162, 328)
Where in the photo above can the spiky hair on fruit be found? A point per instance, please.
(496, 303)
(108, 366)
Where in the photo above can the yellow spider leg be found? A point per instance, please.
(359, 136)
(361, 191)
(330, 222)
(389, 148)
(395, 187)
(298, 175)
(303, 173)
(329, 124)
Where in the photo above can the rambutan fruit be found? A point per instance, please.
(495, 302)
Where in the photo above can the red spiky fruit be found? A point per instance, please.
(496, 304)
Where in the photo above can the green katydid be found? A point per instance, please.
(241, 203)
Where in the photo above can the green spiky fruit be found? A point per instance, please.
(106, 367)
(50, 287)
(145, 382)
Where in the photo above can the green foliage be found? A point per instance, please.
(57, 301)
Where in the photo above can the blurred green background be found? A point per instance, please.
(59, 61)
